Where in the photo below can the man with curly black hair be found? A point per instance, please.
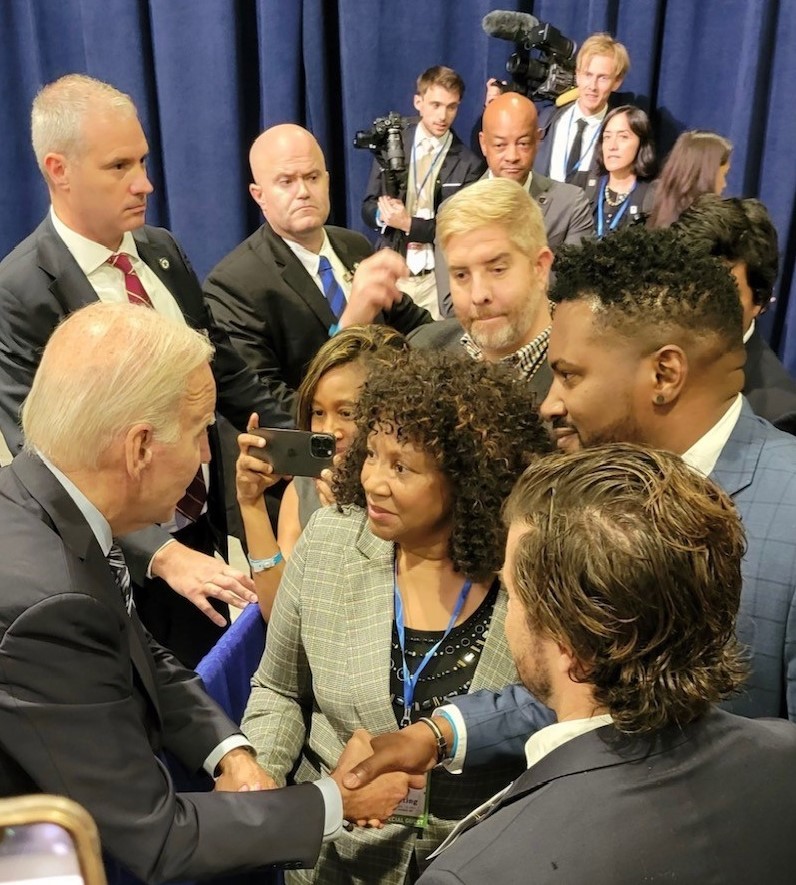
(741, 233)
(390, 602)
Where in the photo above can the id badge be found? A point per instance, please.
(413, 810)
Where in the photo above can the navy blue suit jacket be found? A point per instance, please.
(757, 468)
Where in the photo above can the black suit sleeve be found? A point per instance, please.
(22, 341)
(71, 717)
(239, 393)
(370, 203)
(237, 314)
(407, 316)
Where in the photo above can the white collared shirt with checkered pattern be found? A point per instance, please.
(526, 360)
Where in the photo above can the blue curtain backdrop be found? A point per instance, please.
(208, 75)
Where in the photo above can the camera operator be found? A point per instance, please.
(438, 164)
(570, 133)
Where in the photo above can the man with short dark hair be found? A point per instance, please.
(438, 165)
(623, 577)
(741, 233)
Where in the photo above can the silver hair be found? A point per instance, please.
(59, 109)
(105, 368)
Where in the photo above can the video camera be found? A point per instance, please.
(385, 141)
(543, 63)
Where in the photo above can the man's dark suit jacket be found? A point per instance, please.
(459, 168)
(713, 802)
(548, 132)
(447, 335)
(87, 700)
(41, 284)
(273, 311)
(769, 388)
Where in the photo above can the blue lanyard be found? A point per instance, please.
(419, 188)
(600, 212)
(410, 680)
(582, 153)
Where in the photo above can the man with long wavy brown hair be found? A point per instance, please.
(623, 573)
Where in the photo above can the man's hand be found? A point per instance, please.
(412, 750)
(393, 213)
(375, 287)
(240, 773)
(196, 576)
(372, 804)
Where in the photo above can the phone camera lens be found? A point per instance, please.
(321, 446)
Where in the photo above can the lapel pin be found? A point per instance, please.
(164, 263)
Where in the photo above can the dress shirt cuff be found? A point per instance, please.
(458, 751)
(162, 546)
(333, 805)
(231, 743)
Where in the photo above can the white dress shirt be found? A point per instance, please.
(538, 745)
(311, 261)
(564, 135)
(704, 453)
(108, 282)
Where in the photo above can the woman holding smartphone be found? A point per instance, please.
(391, 603)
(325, 403)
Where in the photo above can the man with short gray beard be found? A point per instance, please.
(493, 238)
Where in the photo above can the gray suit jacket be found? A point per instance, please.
(447, 334)
(757, 468)
(87, 700)
(567, 218)
(326, 672)
(713, 802)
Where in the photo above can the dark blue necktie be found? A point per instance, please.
(331, 288)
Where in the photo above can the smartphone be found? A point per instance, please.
(295, 452)
(48, 840)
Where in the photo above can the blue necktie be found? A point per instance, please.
(331, 288)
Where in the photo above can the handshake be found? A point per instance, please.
(373, 774)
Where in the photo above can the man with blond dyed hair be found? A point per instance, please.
(493, 238)
(94, 245)
(570, 134)
(87, 698)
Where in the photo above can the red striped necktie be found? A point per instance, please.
(191, 504)
(136, 293)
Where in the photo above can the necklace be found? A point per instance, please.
(614, 198)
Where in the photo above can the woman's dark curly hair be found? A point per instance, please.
(480, 424)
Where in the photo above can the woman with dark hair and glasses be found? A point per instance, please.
(623, 191)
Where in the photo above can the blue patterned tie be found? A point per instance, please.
(121, 575)
(331, 288)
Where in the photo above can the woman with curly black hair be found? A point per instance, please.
(390, 603)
